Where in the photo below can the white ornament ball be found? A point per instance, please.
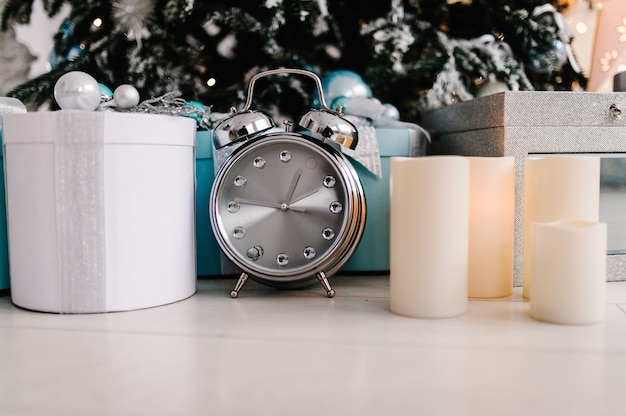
(77, 90)
(126, 96)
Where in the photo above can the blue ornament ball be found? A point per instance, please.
(75, 52)
(199, 108)
(342, 102)
(391, 112)
(342, 83)
(55, 59)
(66, 28)
(105, 92)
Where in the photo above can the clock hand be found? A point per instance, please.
(301, 197)
(282, 207)
(259, 203)
(292, 187)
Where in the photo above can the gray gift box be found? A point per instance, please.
(523, 123)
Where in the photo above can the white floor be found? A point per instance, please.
(299, 353)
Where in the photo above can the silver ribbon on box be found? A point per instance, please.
(368, 114)
(79, 193)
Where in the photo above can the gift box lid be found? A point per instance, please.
(117, 128)
(529, 108)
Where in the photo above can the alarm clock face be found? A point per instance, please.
(285, 207)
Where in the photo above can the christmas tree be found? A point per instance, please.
(414, 54)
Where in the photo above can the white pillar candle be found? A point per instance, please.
(569, 271)
(492, 211)
(429, 227)
(564, 187)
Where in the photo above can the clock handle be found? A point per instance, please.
(325, 123)
(318, 83)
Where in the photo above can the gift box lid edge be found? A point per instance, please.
(524, 108)
(118, 128)
(453, 118)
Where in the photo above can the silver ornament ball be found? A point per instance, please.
(126, 96)
(77, 90)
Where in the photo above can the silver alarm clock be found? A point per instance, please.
(286, 206)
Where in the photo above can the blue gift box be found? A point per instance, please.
(4, 251)
(208, 252)
(372, 254)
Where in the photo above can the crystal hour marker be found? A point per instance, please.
(282, 259)
(329, 181)
(336, 207)
(240, 181)
(328, 233)
(239, 232)
(259, 162)
(233, 207)
(309, 252)
(285, 156)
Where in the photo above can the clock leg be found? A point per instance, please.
(330, 292)
(242, 280)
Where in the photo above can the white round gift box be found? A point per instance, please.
(100, 210)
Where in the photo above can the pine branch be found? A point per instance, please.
(52, 7)
(403, 51)
(16, 10)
